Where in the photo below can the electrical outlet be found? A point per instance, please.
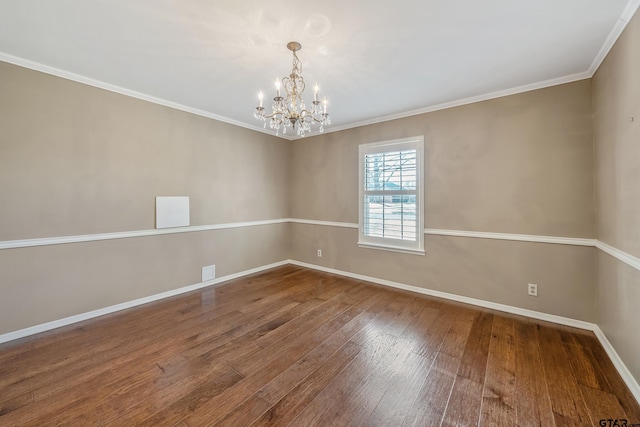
(319, 253)
(208, 273)
(533, 289)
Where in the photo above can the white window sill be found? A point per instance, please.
(391, 248)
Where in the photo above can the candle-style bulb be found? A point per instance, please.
(260, 97)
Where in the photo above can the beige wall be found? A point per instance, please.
(41, 284)
(486, 269)
(520, 164)
(618, 297)
(616, 100)
(75, 160)
(80, 160)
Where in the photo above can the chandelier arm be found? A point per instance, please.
(290, 111)
(310, 113)
(318, 120)
(276, 114)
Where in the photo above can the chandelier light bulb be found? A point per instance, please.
(290, 110)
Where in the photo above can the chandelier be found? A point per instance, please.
(290, 110)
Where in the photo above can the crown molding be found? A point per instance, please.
(626, 16)
(155, 100)
(465, 101)
(621, 24)
(615, 33)
(36, 66)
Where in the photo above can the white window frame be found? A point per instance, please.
(397, 245)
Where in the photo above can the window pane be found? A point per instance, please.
(390, 171)
(391, 216)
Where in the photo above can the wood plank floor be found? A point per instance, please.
(293, 346)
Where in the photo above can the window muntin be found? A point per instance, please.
(390, 195)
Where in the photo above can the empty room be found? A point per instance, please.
(325, 213)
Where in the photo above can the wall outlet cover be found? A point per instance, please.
(208, 273)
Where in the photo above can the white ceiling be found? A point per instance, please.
(373, 59)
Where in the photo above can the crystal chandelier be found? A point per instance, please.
(291, 111)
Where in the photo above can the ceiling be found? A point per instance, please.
(374, 60)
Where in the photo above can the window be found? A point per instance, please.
(391, 205)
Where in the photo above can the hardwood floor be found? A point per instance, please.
(293, 346)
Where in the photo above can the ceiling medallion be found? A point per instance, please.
(291, 111)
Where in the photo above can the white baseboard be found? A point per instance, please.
(613, 355)
(622, 369)
(43, 327)
(459, 298)
(618, 363)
